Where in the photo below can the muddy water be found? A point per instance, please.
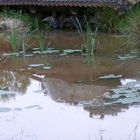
(66, 101)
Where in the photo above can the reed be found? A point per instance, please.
(15, 39)
(89, 38)
(130, 26)
(42, 40)
(90, 41)
(108, 19)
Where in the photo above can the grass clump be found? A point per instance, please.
(107, 18)
(130, 26)
(21, 16)
(15, 39)
(89, 38)
(42, 40)
(21, 28)
(89, 45)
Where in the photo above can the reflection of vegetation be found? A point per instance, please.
(103, 110)
(89, 48)
(14, 81)
(87, 74)
(7, 97)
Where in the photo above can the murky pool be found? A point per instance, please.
(54, 97)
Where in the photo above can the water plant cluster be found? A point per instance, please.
(23, 27)
(129, 25)
(23, 30)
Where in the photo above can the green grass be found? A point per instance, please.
(19, 37)
(42, 40)
(15, 39)
(89, 38)
(130, 26)
(107, 18)
(90, 41)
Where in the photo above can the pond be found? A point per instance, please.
(62, 97)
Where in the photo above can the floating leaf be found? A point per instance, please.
(28, 55)
(36, 65)
(47, 67)
(71, 51)
(128, 100)
(4, 92)
(11, 54)
(39, 76)
(18, 109)
(51, 48)
(33, 106)
(36, 49)
(5, 109)
(50, 51)
(127, 56)
(63, 54)
(110, 76)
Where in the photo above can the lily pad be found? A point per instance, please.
(126, 94)
(50, 51)
(63, 54)
(5, 109)
(51, 48)
(71, 51)
(18, 109)
(28, 55)
(110, 76)
(133, 85)
(129, 100)
(127, 56)
(36, 52)
(32, 106)
(36, 49)
(4, 92)
(11, 54)
(47, 67)
(36, 65)
(39, 76)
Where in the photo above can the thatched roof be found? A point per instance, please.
(81, 3)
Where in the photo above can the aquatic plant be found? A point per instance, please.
(90, 41)
(22, 28)
(130, 26)
(42, 40)
(88, 48)
(21, 16)
(15, 39)
(107, 18)
(89, 38)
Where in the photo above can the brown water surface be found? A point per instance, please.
(58, 103)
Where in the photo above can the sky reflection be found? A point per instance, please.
(34, 116)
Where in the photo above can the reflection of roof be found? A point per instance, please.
(60, 90)
(85, 3)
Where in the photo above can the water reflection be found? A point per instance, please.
(33, 116)
(90, 97)
(102, 111)
(12, 81)
(63, 91)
